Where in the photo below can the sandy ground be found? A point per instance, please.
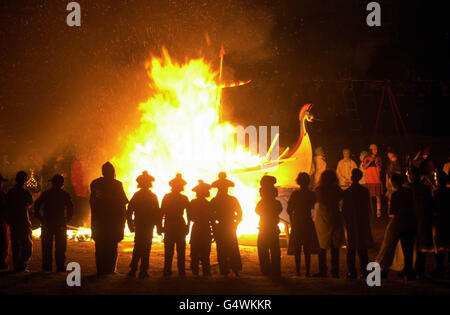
(250, 281)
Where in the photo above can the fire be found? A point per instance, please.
(180, 131)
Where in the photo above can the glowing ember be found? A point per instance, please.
(180, 131)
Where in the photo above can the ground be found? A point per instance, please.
(250, 281)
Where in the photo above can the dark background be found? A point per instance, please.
(78, 88)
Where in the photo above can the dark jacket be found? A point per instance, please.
(199, 212)
(226, 209)
(401, 207)
(356, 211)
(173, 206)
(303, 231)
(329, 223)
(108, 201)
(18, 201)
(269, 211)
(144, 206)
(57, 207)
(423, 208)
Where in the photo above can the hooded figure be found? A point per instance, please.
(144, 207)
(57, 211)
(269, 209)
(200, 214)
(173, 207)
(356, 210)
(4, 229)
(108, 206)
(18, 201)
(227, 214)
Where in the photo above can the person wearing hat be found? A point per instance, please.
(199, 212)
(227, 214)
(344, 169)
(144, 206)
(372, 164)
(57, 210)
(108, 207)
(18, 202)
(269, 209)
(4, 228)
(318, 166)
(173, 207)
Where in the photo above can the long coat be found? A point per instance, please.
(200, 213)
(227, 212)
(108, 201)
(356, 209)
(328, 219)
(303, 232)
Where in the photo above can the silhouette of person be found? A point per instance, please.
(269, 209)
(4, 228)
(423, 209)
(108, 206)
(303, 232)
(18, 202)
(227, 215)
(199, 212)
(57, 211)
(144, 206)
(173, 207)
(356, 211)
(328, 222)
(441, 205)
(405, 223)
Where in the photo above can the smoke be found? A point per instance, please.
(78, 89)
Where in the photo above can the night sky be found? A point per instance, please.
(80, 87)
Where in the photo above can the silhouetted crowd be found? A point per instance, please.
(330, 209)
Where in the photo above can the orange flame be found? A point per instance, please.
(180, 132)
